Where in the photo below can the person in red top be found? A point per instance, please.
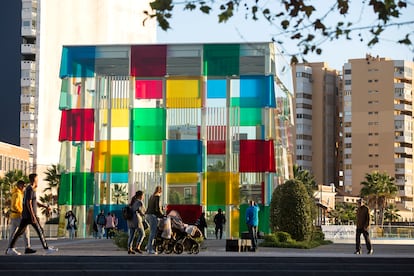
(29, 217)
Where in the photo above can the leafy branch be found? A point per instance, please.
(297, 20)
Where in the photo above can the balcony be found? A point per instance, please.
(28, 31)
(28, 65)
(404, 193)
(27, 116)
(28, 48)
(24, 82)
(405, 150)
(29, 14)
(404, 139)
(25, 99)
(403, 107)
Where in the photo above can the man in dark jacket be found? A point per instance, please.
(362, 226)
(219, 220)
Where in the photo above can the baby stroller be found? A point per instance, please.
(174, 235)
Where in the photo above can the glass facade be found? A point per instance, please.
(210, 123)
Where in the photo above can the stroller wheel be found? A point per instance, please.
(160, 248)
(168, 248)
(178, 248)
(195, 249)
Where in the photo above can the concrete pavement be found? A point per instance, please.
(102, 257)
(212, 247)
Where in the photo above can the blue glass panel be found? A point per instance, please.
(116, 177)
(257, 91)
(77, 62)
(216, 89)
(184, 147)
(183, 163)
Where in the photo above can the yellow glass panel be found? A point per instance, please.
(233, 190)
(100, 154)
(183, 93)
(204, 191)
(119, 147)
(234, 222)
(120, 117)
(179, 178)
(119, 103)
(104, 150)
(104, 116)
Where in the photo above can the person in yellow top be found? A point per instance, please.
(16, 215)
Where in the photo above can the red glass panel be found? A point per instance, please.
(216, 147)
(77, 125)
(148, 60)
(148, 89)
(257, 156)
(188, 213)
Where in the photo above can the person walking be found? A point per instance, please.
(135, 224)
(71, 224)
(110, 225)
(153, 213)
(219, 220)
(16, 215)
(100, 223)
(29, 217)
(362, 226)
(201, 224)
(252, 221)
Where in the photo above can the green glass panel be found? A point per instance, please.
(264, 224)
(148, 124)
(247, 117)
(183, 163)
(221, 59)
(234, 101)
(83, 187)
(119, 163)
(214, 208)
(65, 101)
(147, 147)
(65, 189)
(76, 189)
(216, 193)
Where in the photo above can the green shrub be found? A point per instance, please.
(284, 240)
(291, 210)
(318, 235)
(283, 236)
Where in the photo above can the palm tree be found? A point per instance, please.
(6, 183)
(378, 188)
(344, 213)
(391, 213)
(306, 178)
(120, 194)
(53, 179)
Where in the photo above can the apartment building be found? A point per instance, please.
(378, 124)
(13, 158)
(46, 27)
(316, 119)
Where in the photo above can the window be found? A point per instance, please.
(348, 82)
(348, 71)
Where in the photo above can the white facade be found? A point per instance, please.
(47, 25)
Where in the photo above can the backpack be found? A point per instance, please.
(127, 212)
(101, 220)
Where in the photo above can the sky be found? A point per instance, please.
(195, 27)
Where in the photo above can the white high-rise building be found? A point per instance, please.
(47, 25)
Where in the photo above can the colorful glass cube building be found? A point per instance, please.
(210, 123)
